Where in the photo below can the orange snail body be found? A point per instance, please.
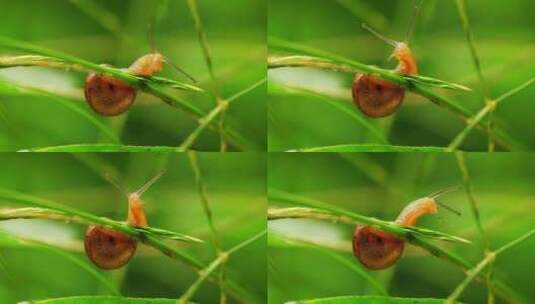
(147, 65)
(109, 96)
(378, 249)
(376, 97)
(110, 249)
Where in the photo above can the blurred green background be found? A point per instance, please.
(235, 186)
(236, 36)
(381, 185)
(504, 34)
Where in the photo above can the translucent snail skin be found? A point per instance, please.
(109, 96)
(376, 97)
(109, 249)
(377, 249)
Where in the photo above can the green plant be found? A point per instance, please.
(292, 64)
(192, 114)
(310, 228)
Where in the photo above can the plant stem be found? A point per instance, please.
(349, 218)
(475, 212)
(470, 194)
(149, 235)
(502, 290)
(489, 108)
(370, 148)
(218, 110)
(98, 13)
(461, 7)
(417, 84)
(105, 148)
(154, 85)
(201, 189)
(216, 240)
(489, 259)
(220, 260)
(139, 233)
(203, 41)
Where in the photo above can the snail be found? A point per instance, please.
(109, 96)
(376, 97)
(110, 249)
(377, 249)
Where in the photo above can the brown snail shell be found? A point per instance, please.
(107, 248)
(376, 249)
(376, 97)
(108, 96)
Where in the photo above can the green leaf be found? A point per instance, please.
(8, 240)
(175, 236)
(358, 118)
(9, 88)
(274, 240)
(102, 300)
(410, 233)
(280, 44)
(104, 148)
(369, 300)
(369, 148)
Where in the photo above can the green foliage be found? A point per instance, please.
(48, 200)
(370, 300)
(114, 32)
(103, 300)
(456, 47)
(321, 197)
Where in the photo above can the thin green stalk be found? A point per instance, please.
(515, 242)
(220, 260)
(367, 13)
(515, 90)
(328, 213)
(201, 189)
(489, 107)
(472, 123)
(470, 194)
(461, 7)
(417, 84)
(143, 234)
(325, 60)
(153, 85)
(370, 148)
(151, 236)
(98, 13)
(145, 84)
(323, 211)
(488, 260)
(203, 41)
(218, 110)
(475, 212)
(104, 148)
